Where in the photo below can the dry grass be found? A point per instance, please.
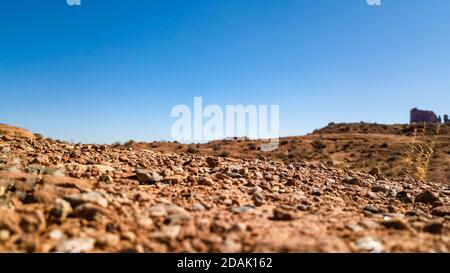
(420, 152)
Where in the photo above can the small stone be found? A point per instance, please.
(176, 213)
(158, 211)
(302, 207)
(280, 214)
(395, 223)
(212, 162)
(369, 244)
(198, 207)
(441, 211)
(404, 197)
(106, 178)
(352, 181)
(372, 209)
(5, 150)
(206, 181)
(239, 227)
(148, 177)
(170, 211)
(61, 209)
(108, 240)
(166, 233)
(372, 195)
(89, 197)
(375, 172)
(230, 246)
(2, 190)
(413, 213)
(6, 138)
(391, 209)
(354, 228)
(380, 188)
(145, 222)
(434, 227)
(77, 245)
(4, 235)
(316, 192)
(369, 224)
(56, 234)
(242, 209)
(426, 197)
(438, 203)
(43, 160)
(255, 190)
(88, 211)
(258, 199)
(175, 179)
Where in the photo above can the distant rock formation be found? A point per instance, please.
(419, 116)
(446, 120)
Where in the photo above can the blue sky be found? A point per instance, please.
(112, 70)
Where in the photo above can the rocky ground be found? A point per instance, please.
(353, 146)
(59, 197)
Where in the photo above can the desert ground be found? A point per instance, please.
(338, 189)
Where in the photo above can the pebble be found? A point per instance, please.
(441, 211)
(77, 245)
(61, 209)
(372, 209)
(242, 209)
(352, 181)
(2, 190)
(56, 234)
(198, 207)
(158, 211)
(89, 197)
(170, 211)
(414, 213)
(375, 172)
(380, 188)
(174, 179)
(258, 199)
(354, 227)
(166, 233)
(316, 192)
(145, 222)
(5, 150)
(206, 181)
(4, 235)
(372, 195)
(404, 197)
(148, 176)
(426, 197)
(395, 223)
(108, 240)
(280, 214)
(434, 227)
(369, 244)
(87, 211)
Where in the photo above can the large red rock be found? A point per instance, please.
(418, 116)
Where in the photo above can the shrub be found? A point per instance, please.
(192, 150)
(318, 144)
(129, 143)
(224, 154)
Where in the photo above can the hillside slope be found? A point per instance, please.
(357, 146)
(13, 131)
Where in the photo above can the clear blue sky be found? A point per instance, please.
(112, 70)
